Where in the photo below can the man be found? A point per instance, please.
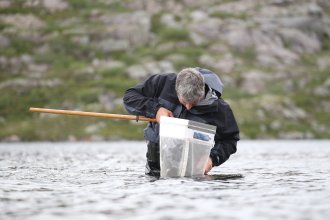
(193, 94)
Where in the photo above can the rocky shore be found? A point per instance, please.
(272, 55)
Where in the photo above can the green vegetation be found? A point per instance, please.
(58, 65)
(174, 34)
(226, 15)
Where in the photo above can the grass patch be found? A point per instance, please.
(156, 25)
(128, 130)
(85, 4)
(226, 15)
(115, 80)
(251, 130)
(174, 34)
(17, 7)
(17, 47)
(235, 93)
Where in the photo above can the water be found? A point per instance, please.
(263, 180)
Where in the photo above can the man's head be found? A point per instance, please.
(189, 87)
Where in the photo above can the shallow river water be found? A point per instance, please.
(263, 180)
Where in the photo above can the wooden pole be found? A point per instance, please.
(94, 114)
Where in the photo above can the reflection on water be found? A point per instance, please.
(264, 179)
(219, 177)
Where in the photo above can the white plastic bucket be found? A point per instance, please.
(184, 147)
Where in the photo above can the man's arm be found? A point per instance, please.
(142, 99)
(225, 139)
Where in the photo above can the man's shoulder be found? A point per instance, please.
(162, 77)
(166, 75)
(222, 104)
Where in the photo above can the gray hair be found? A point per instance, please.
(190, 85)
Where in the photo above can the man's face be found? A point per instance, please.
(187, 105)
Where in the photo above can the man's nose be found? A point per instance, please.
(188, 106)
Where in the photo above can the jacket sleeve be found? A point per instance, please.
(142, 99)
(226, 139)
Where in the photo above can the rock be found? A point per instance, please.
(28, 22)
(323, 62)
(318, 127)
(97, 138)
(197, 38)
(238, 38)
(218, 48)
(295, 135)
(227, 80)
(283, 3)
(106, 100)
(325, 105)
(176, 58)
(111, 45)
(323, 90)
(21, 84)
(254, 81)
(261, 114)
(300, 42)
(166, 66)
(227, 63)
(302, 23)
(204, 29)
(199, 16)
(72, 138)
(4, 41)
(236, 9)
(118, 102)
(26, 27)
(207, 60)
(325, 4)
(37, 70)
(2, 120)
(291, 111)
(49, 5)
(224, 64)
(13, 64)
(286, 108)
(144, 70)
(276, 125)
(82, 40)
(314, 10)
(26, 58)
(42, 49)
(169, 20)
(5, 4)
(137, 72)
(55, 5)
(272, 55)
(126, 29)
(270, 50)
(94, 128)
(12, 138)
(107, 64)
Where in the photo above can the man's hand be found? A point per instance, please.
(208, 166)
(163, 112)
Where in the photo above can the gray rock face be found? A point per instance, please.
(271, 53)
(300, 42)
(146, 69)
(21, 84)
(4, 41)
(124, 31)
(23, 22)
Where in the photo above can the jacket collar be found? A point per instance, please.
(208, 104)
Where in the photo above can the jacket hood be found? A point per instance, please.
(211, 79)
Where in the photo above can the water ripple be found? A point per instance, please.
(106, 180)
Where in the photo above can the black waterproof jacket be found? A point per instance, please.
(159, 91)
